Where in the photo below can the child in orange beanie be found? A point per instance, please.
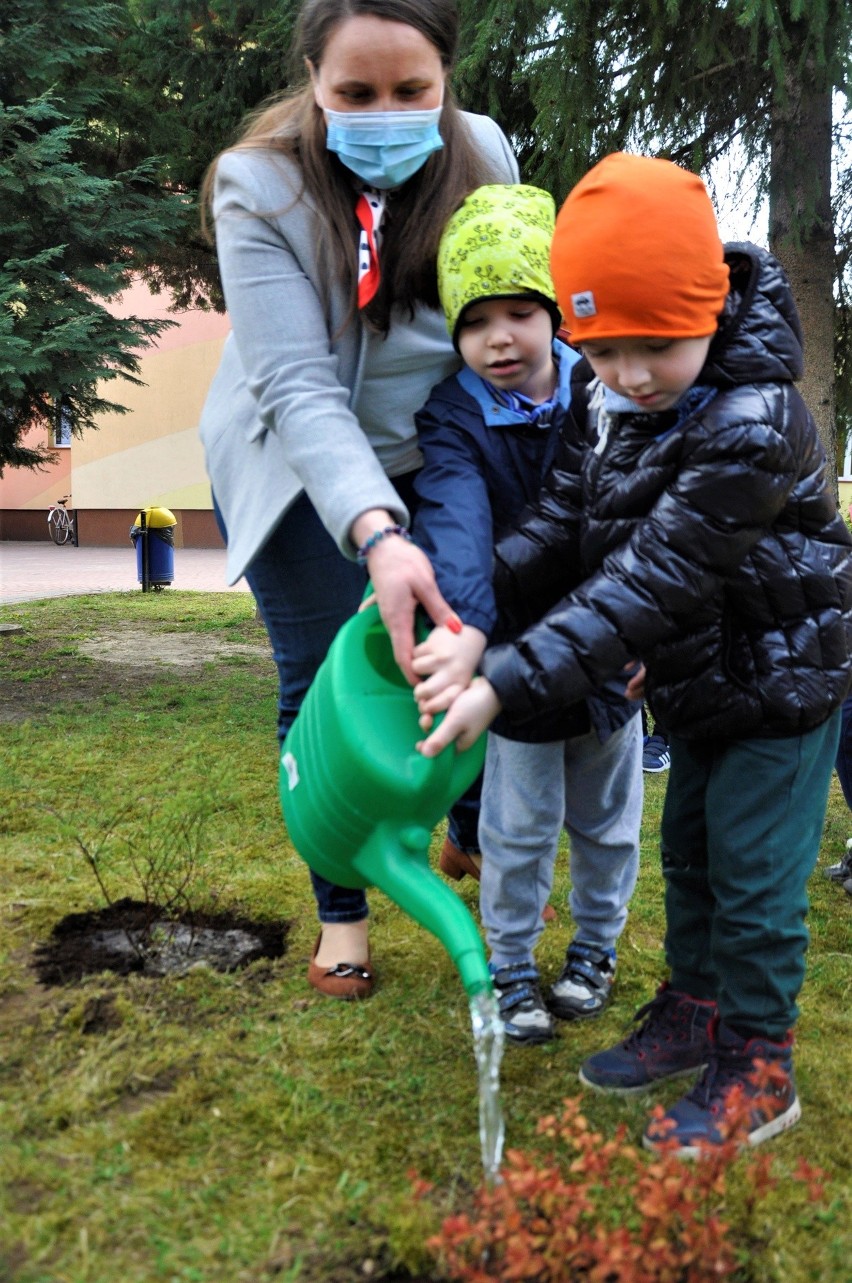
(688, 521)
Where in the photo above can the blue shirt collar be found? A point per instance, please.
(693, 400)
(501, 408)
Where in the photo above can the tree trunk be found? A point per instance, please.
(801, 235)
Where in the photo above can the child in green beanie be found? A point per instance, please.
(488, 435)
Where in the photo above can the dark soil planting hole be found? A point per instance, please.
(131, 937)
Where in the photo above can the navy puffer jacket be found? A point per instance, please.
(710, 548)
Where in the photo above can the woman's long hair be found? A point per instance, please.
(294, 126)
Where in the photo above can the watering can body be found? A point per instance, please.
(360, 802)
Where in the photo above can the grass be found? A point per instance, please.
(239, 1128)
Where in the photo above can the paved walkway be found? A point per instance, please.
(30, 571)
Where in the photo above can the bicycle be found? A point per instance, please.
(60, 521)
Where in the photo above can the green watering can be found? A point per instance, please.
(360, 802)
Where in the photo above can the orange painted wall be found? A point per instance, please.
(23, 488)
(152, 454)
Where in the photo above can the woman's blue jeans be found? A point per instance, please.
(305, 591)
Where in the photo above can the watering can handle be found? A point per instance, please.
(422, 623)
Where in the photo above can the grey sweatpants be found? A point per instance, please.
(529, 793)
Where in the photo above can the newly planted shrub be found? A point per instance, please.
(601, 1211)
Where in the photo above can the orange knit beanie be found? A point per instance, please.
(636, 252)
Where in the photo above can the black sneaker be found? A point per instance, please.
(841, 871)
(672, 1040)
(585, 982)
(522, 1010)
(655, 755)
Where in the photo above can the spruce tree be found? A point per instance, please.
(74, 220)
(194, 70)
(572, 81)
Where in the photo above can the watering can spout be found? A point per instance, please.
(396, 860)
(360, 802)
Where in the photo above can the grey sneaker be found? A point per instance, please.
(841, 871)
(585, 982)
(522, 1010)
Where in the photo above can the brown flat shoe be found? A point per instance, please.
(456, 864)
(344, 980)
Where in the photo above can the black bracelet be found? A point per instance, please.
(366, 547)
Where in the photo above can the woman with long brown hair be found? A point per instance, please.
(328, 212)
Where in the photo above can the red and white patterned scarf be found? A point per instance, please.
(370, 212)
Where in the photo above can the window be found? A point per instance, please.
(62, 430)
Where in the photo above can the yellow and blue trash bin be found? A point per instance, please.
(153, 536)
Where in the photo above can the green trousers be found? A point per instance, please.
(740, 835)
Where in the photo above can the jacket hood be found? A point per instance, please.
(759, 339)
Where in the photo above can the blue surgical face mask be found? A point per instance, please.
(384, 148)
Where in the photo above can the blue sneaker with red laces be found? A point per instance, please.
(750, 1075)
(672, 1040)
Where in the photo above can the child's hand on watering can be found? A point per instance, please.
(471, 713)
(447, 659)
(635, 674)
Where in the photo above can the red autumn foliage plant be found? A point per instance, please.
(609, 1213)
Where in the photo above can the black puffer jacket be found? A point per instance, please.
(711, 550)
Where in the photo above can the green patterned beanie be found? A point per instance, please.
(497, 245)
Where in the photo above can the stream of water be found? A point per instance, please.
(488, 1037)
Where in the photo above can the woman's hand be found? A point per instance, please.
(402, 576)
(448, 659)
(467, 717)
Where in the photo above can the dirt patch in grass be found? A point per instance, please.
(131, 937)
(136, 648)
(117, 661)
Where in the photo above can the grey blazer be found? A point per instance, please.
(278, 418)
